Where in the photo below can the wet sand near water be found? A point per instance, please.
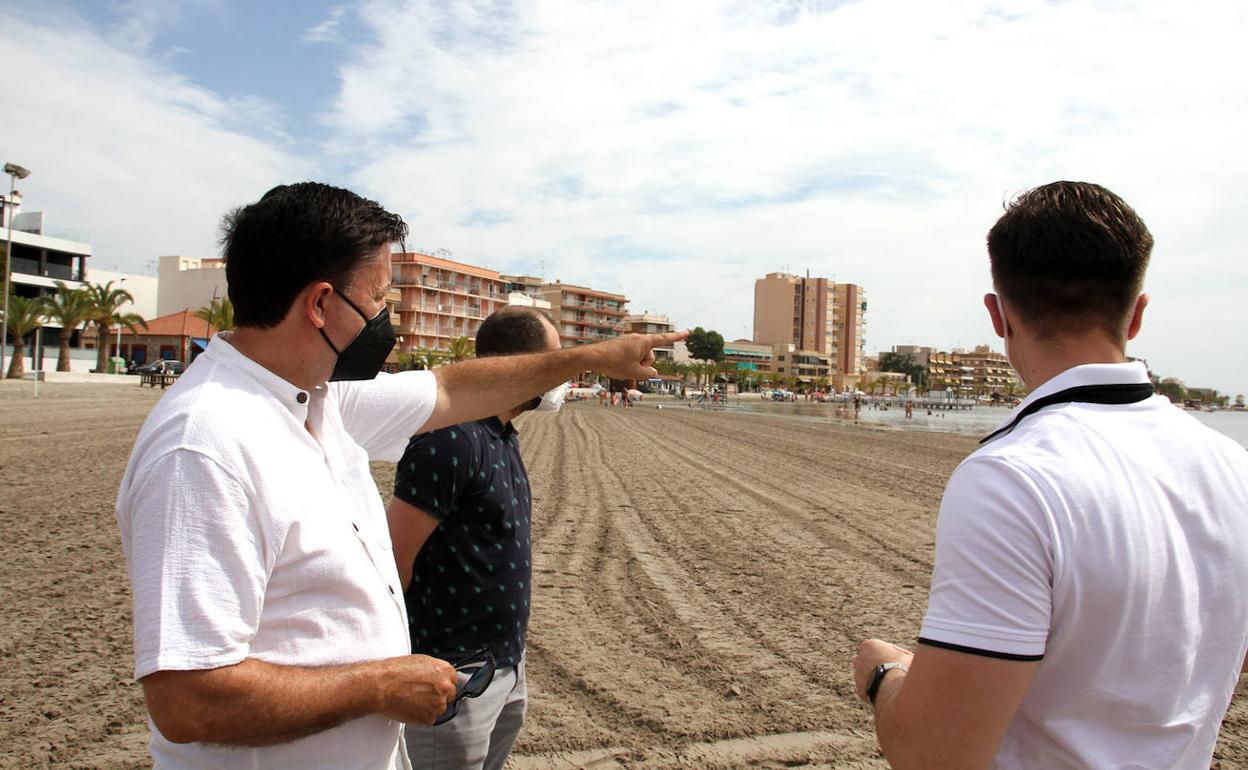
(700, 582)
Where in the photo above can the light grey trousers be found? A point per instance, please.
(481, 734)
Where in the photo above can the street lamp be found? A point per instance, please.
(15, 173)
(118, 351)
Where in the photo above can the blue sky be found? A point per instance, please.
(671, 151)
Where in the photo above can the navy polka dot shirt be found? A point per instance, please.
(471, 580)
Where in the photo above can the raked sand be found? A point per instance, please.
(700, 582)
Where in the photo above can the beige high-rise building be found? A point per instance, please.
(585, 315)
(813, 314)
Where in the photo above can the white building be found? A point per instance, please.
(142, 287)
(189, 283)
(41, 257)
(524, 300)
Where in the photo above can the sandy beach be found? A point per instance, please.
(700, 582)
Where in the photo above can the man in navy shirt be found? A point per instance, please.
(460, 522)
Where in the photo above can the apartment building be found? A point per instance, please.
(648, 323)
(440, 299)
(749, 355)
(41, 257)
(585, 315)
(982, 371)
(813, 314)
(988, 371)
(525, 291)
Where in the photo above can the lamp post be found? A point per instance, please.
(15, 173)
(117, 352)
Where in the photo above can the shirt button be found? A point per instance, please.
(302, 397)
(391, 590)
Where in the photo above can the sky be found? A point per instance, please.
(673, 152)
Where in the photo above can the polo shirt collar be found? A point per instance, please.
(497, 429)
(294, 398)
(1129, 373)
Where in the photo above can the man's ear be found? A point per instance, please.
(1137, 316)
(994, 312)
(312, 301)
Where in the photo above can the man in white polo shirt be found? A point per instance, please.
(1087, 604)
(269, 623)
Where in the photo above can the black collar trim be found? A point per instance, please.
(1121, 393)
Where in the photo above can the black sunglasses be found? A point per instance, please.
(483, 661)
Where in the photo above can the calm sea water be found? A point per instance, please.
(979, 421)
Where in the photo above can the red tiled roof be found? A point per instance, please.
(180, 324)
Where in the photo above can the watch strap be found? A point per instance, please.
(877, 678)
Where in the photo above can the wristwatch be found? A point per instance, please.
(877, 678)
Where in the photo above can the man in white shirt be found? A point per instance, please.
(269, 623)
(1086, 607)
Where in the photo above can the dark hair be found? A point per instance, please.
(1069, 257)
(513, 330)
(295, 235)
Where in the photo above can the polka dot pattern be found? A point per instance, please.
(471, 478)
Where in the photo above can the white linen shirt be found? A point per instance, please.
(1110, 542)
(253, 528)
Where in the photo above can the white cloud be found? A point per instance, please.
(327, 30)
(136, 158)
(677, 151)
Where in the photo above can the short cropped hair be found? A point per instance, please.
(295, 235)
(1070, 257)
(513, 330)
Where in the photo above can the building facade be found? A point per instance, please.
(441, 299)
(189, 283)
(585, 315)
(986, 372)
(813, 314)
(40, 258)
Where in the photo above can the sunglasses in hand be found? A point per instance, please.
(481, 664)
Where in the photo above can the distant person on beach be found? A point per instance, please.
(460, 523)
(269, 624)
(1087, 603)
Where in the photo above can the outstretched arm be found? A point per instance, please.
(481, 387)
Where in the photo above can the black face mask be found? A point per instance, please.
(363, 358)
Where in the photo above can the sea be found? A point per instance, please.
(979, 421)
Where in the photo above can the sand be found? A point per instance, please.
(701, 580)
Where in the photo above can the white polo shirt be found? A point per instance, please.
(1111, 544)
(249, 536)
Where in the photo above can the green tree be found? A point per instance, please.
(461, 349)
(68, 308)
(219, 313)
(899, 362)
(1172, 388)
(106, 303)
(25, 315)
(705, 346)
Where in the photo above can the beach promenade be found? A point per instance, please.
(701, 580)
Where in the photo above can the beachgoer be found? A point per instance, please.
(269, 625)
(1087, 603)
(459, 522)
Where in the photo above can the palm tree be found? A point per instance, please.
(69, 308)
(428, 358)
(25, 315)
(461, 348)
(219, 314)
(105, 302)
